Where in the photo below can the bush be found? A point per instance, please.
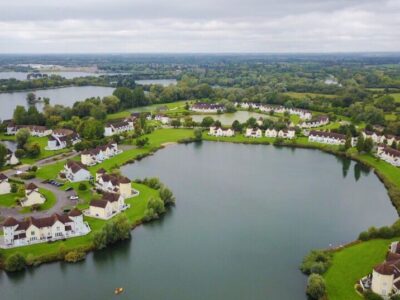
(316, 287)
(14, 188)
(317, 260)
(369, 295)
(167, 196)
(119, 229)
(395, 297)
(363, 236)
(15, 262)
(74, 256)
(155, 207)
(198, 134)
(27, 176)
(82, 187)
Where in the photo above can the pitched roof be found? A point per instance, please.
(111, 197)
(10, 221)
(101, 171)
(99, 203)
(384, 269)
(31, 186)
(75, 166)
(38, 222)
(2, 176)
(75, 213)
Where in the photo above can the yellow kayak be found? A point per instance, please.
(118, 291)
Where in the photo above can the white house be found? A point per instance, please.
(271, 133)
(317, 122)
(119, 127)
(253, 132)
(302, 113)
(34, 130)
(389, 155)
(11, 159)
(162, 118)
(330, 138)
(218, 131)
(108, 206)
(42, 230)
(275, 108)
(58, 140)
(207, 107)
(97, 155)
(75, 171)
(287, 133)
(5, 186)
(32, 196)
(113, 183)
(385, 279)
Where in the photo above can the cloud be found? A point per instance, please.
(200, 26)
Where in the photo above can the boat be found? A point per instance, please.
(118, 291)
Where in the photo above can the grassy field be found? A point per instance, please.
(134, 213)
(8, 200)
(351, 264)
(396, 96)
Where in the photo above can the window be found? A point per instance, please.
(32, 233)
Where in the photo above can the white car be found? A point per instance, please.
(73, 197)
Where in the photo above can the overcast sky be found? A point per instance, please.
(82, 26)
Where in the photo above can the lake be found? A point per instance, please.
(228, 118)
(68, 75)
(163, 82)
(245, 217)
(65, 96)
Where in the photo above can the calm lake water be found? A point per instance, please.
(245, 217)
(68, 75)
(65, 96)
(163, 82)
(227, 119)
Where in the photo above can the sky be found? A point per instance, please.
(201, 26)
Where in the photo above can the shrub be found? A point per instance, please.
(15, 262)
(395, 297)
(316, 287)
(27, 176)
(369, 295)
(167, 196)
(14, 188)
(363, 236)
(198, 134)
(82, 187)
(316, 260)
(119, 229)
(74, 256)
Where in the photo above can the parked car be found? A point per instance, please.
(73, 197)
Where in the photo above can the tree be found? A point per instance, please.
(3, 154)
(166, 195)
(347, 145)
(32, 150)
(360, 143)
(207, 122)
(141, 142)
(111, 103)
(14, 188)
(98, 112)
(31, 98)
(22, 137)
(236, 126)
(198, 134)
(368, 145)
(74, 256)
(82, 186)
(20, 115)
(91, 129)
(125, 96)
(316, 287)
(230, 107)
(15, 262)
(176, 123)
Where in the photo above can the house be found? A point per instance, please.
(34, 130)
(41, 230)
(11, 159)
(5, 186)
(330, 138)
(107, 207)
(32, 196)
(273, 108)
(271, 132)
(384, 279)
(389, 155)
(97, 155)
(113, 183)
(62, 138)
(287, 133)
(207, 107)
(162, 118)
(317, 122)
(75, 171)
(218, 131)
(302, 113)
(119, 127)
(379, 138)
(253, 132)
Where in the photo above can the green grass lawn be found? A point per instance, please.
(134, 213)
(396, 96)
(8, 200)
(351, 264)
(42, 141)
